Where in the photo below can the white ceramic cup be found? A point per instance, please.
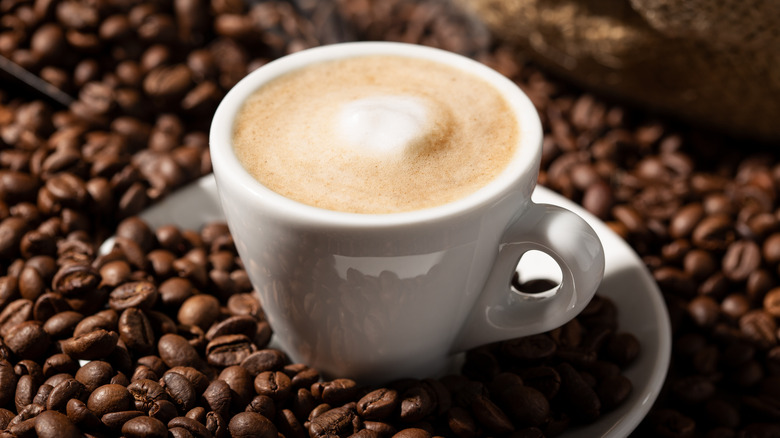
(383, 296)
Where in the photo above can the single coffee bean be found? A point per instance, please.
(135, 330)
(25, 391)
(378, 404)
(199, 310)
(174, 350)
(106, 320)
(16, 312)
(94, 345)
(114, 420)
(217, 425)
(490, 416)
(43, 394)
(139, 294)
(241, 324)
(229, 350)
(613, 391)
(460, 421)
(264, 405)
(586, 404)
(274, 384)
(525, 405)
(28, 340)
(741, 259)
(145, 393)
(412, 432)
(198, 430)
(180, 390)
(110, 398)
(218, 397)
(73, 279)
(94, 374)
(142, 372)
(417, 402)
(52, 424)
(342, 421)
(163, 410)
(241, 384)
(198, 380)
(144, 427)
(264, 360)
(62, 393)
(251, 424)
(62, 324)
(335, 392)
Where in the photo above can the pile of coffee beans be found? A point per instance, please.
(162, 335)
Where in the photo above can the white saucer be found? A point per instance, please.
(641, 309)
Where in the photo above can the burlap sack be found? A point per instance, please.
(716, 62)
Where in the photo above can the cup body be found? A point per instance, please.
(371, 297)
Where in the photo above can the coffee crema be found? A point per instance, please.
(375, 134)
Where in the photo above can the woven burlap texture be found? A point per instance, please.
(715, 62)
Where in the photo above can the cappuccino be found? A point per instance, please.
(375, 134)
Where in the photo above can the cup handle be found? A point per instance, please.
(501, 312)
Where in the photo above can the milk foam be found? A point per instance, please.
(375, 134)
(385, 125)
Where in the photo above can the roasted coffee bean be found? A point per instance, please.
(218, 397)
(43, 394)
(199, 310)
(142, 372)
(175, 351)
(578, 393)
(264, 360)
(14, 313)
(417, 402)
(242, 324)
(490, 416)
(274, 384)
(135, 330)
(198, 380)
(28, 340)
(145, 393)
(198, 430)
(106, 320)
(94, 374)
(341, 421)
(60, 363)
(163, 410)
(378, 404)
(741, 259)
(144, 427)
(140, 294)
(110, 398)
(264, 405)
(251, 424)
(412, 432)
(241, 383)
(62, 324)
(181, 391)
(94, 345)
(60, 394)
(51, 424)
(25, 391)
(525, 405)
(334, 392)
(229, 350)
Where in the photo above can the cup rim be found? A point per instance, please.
(520, 173)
